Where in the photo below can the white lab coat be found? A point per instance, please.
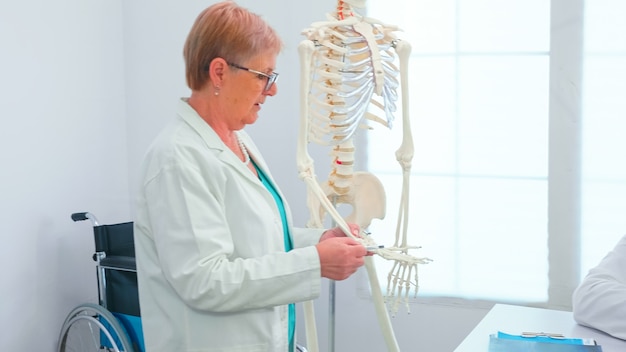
(212, 269)
(600, 300)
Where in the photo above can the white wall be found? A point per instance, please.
(85, 86)
(62, 149)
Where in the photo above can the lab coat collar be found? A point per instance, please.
(213, 141)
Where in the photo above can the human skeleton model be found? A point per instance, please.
(347, 67)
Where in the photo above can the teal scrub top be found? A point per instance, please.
(288, 244)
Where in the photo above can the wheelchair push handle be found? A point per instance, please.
(85, 216)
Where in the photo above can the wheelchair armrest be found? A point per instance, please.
(119, 262)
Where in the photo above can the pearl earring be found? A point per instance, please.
(217, 91)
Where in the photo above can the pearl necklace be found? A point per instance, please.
(244, 151)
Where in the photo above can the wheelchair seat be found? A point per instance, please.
(117, 242)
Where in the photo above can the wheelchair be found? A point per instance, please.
(113, 325)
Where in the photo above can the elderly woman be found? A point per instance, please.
(219, 262)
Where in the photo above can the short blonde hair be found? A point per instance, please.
(228, 31)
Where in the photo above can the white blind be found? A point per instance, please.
(482, 105)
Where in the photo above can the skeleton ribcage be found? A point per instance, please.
(345, 89)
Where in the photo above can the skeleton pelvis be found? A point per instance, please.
(366, 195)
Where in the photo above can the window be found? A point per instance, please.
(603, 219)
(518, 183)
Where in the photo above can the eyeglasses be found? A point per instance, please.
(271, 78)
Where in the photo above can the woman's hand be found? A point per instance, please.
(340, 257)
(338, 232)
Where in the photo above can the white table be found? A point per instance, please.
(517, 319)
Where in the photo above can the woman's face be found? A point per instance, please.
(245, 91)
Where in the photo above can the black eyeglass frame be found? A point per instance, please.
(271, 78)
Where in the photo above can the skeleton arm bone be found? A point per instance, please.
(399, 277)
(404, 154)
(305, 165)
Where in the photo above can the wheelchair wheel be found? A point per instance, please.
(90, 327)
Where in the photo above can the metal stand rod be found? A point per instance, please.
(331, 316)
(331, 301)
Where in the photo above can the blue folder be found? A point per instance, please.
(502, 342)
